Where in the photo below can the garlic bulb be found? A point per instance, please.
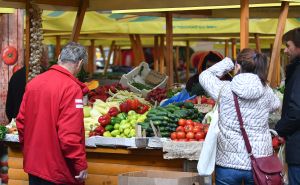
(36, 38)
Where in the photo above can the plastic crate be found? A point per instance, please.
(139, 76)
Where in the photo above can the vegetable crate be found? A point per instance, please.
(140, 74)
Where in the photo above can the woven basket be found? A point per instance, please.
(154, 78)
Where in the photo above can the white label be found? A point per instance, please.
(78, 100)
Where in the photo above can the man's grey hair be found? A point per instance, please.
(73, 52)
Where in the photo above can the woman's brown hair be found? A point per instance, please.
(252, 62)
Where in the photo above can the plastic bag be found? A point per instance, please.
(180, 97)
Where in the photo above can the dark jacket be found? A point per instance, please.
(16, 88)
(289, 124)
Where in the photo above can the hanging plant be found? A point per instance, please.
(9, 55)
(36, 45)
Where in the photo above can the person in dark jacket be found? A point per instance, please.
(289, 124)
(16, 89)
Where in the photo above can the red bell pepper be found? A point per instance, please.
(124, 107)
(113, 111)
(99, 130)
(104, 120)
(142, 109)
(134, 104)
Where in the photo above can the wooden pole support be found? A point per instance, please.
(244, 24)
(79, 19)
(162, 55)
(257, 42)
(187, 60)
(233, 48)
(169, 45)
(156, 53)
(109, 56)
(58, 46)
(277, 44)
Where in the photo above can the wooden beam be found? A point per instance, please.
(169, 45)
(139, 48)
(257, 43)
(91, 61)
(156, 53)
(79, 19)
(275, 57)
(244, 24)
(134, 47)
(233, 48)
(161, 55)
(58, 46)
(27, 35)
(102, 53)
(115, 59)
(109, 56)
(176, 65)
(187, 60)
(226, 52)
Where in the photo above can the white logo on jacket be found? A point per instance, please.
(78, 103)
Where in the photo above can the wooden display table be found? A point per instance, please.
(104, 164)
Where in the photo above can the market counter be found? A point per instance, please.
(104, 164)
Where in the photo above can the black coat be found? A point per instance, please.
(289, 124)
(16, 89)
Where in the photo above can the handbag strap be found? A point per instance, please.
(244, 134)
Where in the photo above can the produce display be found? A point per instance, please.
(166, 118)
(188, 130)
(103, 92)
(156, 95)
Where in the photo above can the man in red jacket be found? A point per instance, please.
(50, 122)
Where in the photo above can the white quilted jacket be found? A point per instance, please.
(256, 102)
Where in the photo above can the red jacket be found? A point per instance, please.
(50, 125)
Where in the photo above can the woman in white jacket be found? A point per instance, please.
(256, 100)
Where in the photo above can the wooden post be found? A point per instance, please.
(109, 57)
(169, 45)
(277, 45)
(91, 60)
(134, 50)
(79, 19)
(58, 46)
(139, 49)
(119, 55)
(27, 44)
(176, 65)
(226, 52)
(161, 55)
(102, 52)
(187, 60)
(156, 53)
(244, 24)
(233, 48)
(257, 42)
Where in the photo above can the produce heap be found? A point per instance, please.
(114, 111)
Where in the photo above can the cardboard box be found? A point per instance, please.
(160, 178)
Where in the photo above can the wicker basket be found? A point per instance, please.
(154, 78)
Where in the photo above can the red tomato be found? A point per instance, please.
(197, 128)
(201, 140)
(188, 128)
(173, 136)
(180, 135)
(190, 135)
(182, 122)
(199, 135)
(189, 122)
(203, 100)
(210, 102)
(180, 128)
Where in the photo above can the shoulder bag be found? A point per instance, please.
(266, 170)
